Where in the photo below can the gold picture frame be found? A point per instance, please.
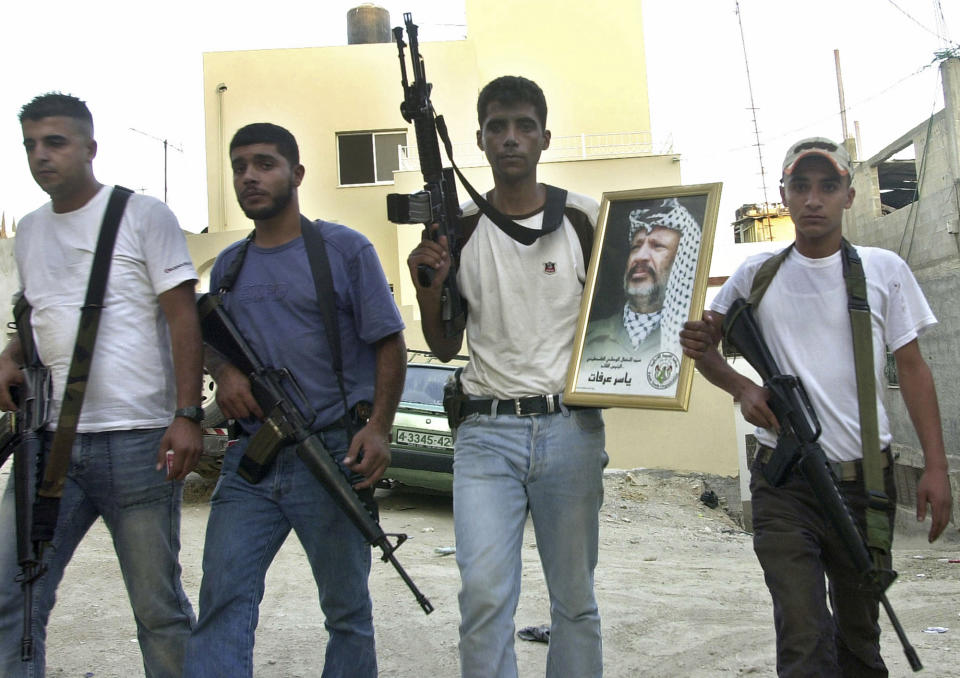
(652, 248)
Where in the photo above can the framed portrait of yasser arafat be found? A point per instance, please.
(647, 276)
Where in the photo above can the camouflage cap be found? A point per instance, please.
(821, 146)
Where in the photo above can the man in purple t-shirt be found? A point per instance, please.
(273, 302)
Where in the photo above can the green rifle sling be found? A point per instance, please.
(879, 535)
(76, 385)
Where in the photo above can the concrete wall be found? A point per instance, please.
(924, 234)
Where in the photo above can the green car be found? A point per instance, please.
(421, 442)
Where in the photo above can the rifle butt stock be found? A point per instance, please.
(741, 329)
(221, 334)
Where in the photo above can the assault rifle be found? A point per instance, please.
(437, 203)
(24, 439)
(284, 424)
(797, 445)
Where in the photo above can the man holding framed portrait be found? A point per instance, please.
(519, 449)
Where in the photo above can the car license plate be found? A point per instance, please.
(436, 440)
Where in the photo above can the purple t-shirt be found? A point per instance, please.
(274, 304)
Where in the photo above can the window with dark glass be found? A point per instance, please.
(368, 157)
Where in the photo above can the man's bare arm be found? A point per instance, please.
(372, 442)
(10, 360)
(234, 395)
(699, 339)
(434, 255)
(920, 396)
(183, 436)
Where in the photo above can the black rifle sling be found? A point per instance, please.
(323, 281)
(230, 277)
(584, 230)
(552, 211)
(326, 297)
(878, 527)
(59, 458)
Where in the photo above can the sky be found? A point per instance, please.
(139, 67)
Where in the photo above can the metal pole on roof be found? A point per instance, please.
(166, 145)
(753, 108)
(843, 105)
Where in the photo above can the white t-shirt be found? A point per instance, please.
(522, 305)
(804, 318)
(131, 383)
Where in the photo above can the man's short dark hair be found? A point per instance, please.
(268, 133)
(509, 90)
(54, 104)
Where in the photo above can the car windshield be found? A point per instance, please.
(425, 384)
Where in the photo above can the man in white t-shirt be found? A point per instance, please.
(139, 428)
(804, 319)
(519, 448)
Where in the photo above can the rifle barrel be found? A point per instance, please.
(422, 600)
(908, 650)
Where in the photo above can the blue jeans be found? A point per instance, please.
(112, 475)
(248, 524)
(552, 466)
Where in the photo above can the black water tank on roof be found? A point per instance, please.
(368, 24)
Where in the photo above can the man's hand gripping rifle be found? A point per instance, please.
(797, 445)
(284, 425)
(437, 203)
(24, 440)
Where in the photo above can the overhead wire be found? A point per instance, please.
(830, 116)
(918, 23)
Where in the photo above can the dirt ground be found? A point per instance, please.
(679, 588)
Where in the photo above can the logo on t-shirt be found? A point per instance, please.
(549, 267)
(174, 268)
(262, 292)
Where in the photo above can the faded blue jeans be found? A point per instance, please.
(552, 466)
(248, 524)
(112, 475)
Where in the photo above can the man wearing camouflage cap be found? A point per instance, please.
(804, 319)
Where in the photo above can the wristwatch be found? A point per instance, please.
(193, 413)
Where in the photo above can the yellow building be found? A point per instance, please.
(764, 222)
(342, 104)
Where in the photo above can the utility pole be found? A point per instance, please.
(166, 144)
(756, 129)
(843, 105)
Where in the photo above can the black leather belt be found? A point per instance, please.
(845, 471)
(359, 414)
(521, 407)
